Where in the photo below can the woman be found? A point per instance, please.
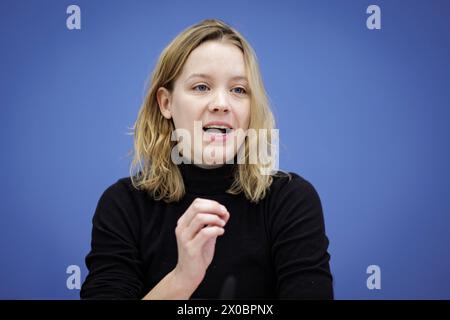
(201, 220)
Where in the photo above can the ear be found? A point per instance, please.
(163, 97)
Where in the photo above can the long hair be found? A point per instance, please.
(152, 169)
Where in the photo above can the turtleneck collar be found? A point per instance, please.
(207, 181)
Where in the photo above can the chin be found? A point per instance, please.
(222, 158)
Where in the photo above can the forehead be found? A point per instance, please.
(215, 58)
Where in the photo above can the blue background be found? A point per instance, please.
(363, 114)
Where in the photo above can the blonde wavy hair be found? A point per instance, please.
(151, 168)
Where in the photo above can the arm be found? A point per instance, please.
(299, 242)
(115, 268)
(114, 264)
(196, 234)
(172, 287)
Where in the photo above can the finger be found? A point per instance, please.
(206, 234)
(199, 221)
(200, 205)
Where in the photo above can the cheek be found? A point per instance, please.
(184, 112)
(244, 117)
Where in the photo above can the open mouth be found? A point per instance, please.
(216, 132)
(217, 129)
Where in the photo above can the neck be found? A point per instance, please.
(202, 165)
(208, 166)
(207, 180)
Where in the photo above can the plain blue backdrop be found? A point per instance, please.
(363, 115)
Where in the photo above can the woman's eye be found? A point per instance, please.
(240, 90)
(200, 87)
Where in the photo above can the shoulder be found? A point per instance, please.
(291, 196)
(290, 184)
(122, 189)
(120, 201)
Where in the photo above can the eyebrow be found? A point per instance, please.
(202, 75)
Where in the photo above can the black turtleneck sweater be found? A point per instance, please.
(274, 249)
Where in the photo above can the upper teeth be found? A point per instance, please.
(217, 127)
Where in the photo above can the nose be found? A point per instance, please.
(220, 103)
